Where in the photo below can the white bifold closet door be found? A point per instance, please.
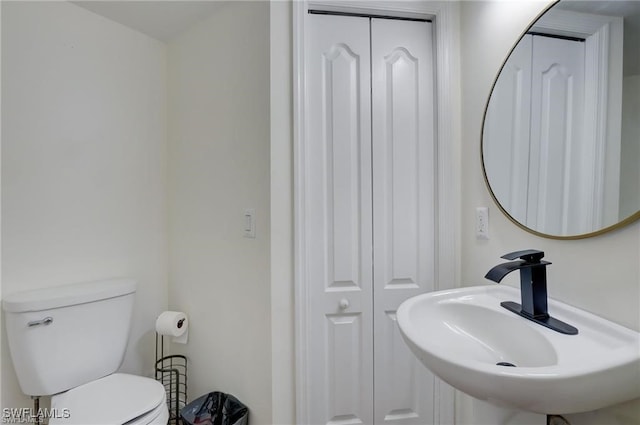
(538, 156)
(370, 215)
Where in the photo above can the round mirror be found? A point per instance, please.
(561, 132)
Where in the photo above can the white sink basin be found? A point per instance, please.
(461, 335)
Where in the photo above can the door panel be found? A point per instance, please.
(369, 218)
(557, 92)
(338, 213)
(340, 82)
(344, 351)
(403, 209)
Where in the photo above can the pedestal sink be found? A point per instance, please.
(467, 339)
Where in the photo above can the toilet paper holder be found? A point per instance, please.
(171, 371)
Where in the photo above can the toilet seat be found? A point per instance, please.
(115, 399)
(158, 416)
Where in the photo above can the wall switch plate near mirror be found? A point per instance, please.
(561, 135)
(482, 223)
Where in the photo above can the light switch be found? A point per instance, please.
(249, 223)
(482, 223)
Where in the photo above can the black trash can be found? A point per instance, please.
(215, 408)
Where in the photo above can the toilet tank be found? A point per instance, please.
(65, 336)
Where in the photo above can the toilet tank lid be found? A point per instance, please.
(67, 295)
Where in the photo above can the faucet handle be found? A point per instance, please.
(528, 255)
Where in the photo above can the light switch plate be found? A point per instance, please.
(482, 223)
(249, 223)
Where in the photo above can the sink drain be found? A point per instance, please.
(505, 364)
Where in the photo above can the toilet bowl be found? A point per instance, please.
(115, 399)
(85, 328)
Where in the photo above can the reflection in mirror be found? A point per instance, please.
(561, 137)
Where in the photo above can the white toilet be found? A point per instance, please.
(68, 341)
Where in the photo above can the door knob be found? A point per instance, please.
(344, 304)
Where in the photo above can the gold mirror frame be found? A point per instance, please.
(632, 218)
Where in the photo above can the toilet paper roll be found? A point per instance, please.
(174, 324)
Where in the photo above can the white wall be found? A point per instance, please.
(600, 274)
(83, 162)
(219, 164)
